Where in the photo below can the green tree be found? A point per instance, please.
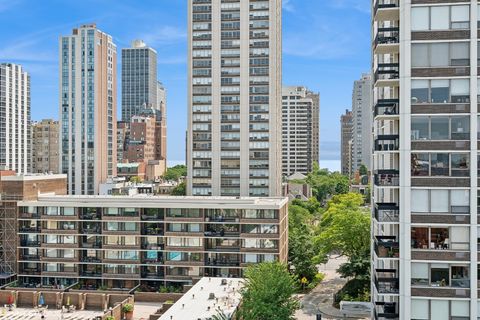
(301, 250)
(175, 173)
(180, 190)
(345, 227)
(363, 171)
(326, 184)
(135, 179)
(268, 293)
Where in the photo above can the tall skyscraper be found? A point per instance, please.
(15, 141)
(45, 146)
(234, 120)
(139, 79)
(300, 130)
(362, 122)
(346, 127)
(425, 231)
(88, 108)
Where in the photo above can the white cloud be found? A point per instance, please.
(288, 5)
(164, 35)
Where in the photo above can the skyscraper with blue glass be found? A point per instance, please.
(88, 108)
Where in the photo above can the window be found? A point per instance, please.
(420, 164)
(440, 18)
(428, 55)
(440, 128)
(439, 163)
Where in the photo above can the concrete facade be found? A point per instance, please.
(234, 98)
(300, 130)
(45, 148)
(88, 108)
(15, 144)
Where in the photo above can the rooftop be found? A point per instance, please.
(205, 299)
(33, 177)
(152, 201)
(34, 314)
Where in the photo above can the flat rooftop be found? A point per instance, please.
(33, 177)
(34, 314)
(196, 303)
(153, 201)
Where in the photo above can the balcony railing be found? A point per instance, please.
(387, 178)
(385, 4)
(387, 247)
(387, 142)
(386, 107)
(387, 212)
(389, 35)
(386, 281)
(387, 71)
(386, 310)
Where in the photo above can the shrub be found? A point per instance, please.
(127, 307)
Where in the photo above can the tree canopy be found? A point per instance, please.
(326, 184)
(180, 190)
(175, 173)
(268, 293)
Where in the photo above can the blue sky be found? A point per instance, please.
(326, 46)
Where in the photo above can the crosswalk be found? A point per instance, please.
(32, 314)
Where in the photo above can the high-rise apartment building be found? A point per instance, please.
(346, 127)
(88, 108)
(45, 146)
(139, 79)
(234, 120)
(147, 242)
(15, 133)
(300, 130)
(362, 122)
(425, 231)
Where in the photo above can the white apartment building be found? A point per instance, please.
(425, 98)
(234, 119)
(15, 140)
(362, 122)
(300, 130)
(88, 108)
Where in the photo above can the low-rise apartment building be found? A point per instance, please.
(118, 242)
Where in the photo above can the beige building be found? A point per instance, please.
(300, 130)
(235, 83)
(88, 108)
(45, 146)
(346, 124)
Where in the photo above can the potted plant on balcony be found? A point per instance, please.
(128, 311)
(110, 318)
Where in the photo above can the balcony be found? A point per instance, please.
(31, 257)
(29, 229)
(386, 281)
(30, 243)
(387, 178)
(386, 10)
(387, 107)
(387, 247)
(387, 212)
(386, 310)
(387, 142)
(387, 40)
(387, 75)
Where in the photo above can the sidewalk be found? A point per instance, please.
(320, 299)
